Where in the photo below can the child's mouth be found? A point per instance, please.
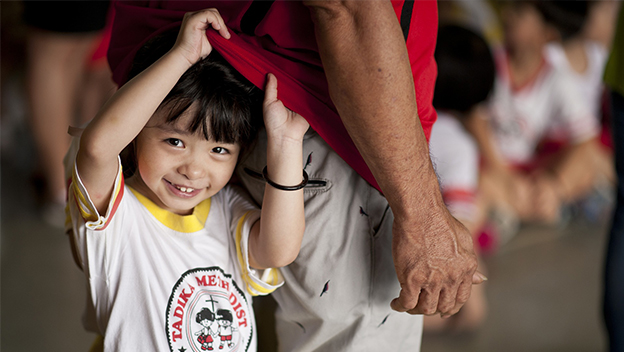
(182, 191)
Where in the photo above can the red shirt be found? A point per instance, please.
(278, 37)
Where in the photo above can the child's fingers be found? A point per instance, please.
(270, 92)
(212, 18)
(219, 24)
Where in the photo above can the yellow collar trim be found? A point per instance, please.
(181, 223)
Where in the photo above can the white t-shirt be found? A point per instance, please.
(549, 103)
(589, 82)
(160, 281)
(456, 160)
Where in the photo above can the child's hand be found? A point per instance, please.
(192, 42)
(279, 121)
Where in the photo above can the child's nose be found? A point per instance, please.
(193, 169)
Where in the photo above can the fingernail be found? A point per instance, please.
(481, 276)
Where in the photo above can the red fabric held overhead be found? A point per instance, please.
(281, 42)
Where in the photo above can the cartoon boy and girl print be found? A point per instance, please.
(205, 335)
(186, 132)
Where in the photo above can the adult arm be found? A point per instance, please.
(370, 82)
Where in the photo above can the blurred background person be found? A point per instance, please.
(465, 79)
(584, 32)
(64, 80)
(614, 268)
(531, 98)
(581, 48)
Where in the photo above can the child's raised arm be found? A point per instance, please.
(275, 239)
(126, 113)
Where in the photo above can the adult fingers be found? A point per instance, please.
(478, 278)
(447, 301)
(407, 300)
(427, 302)
(463, 294)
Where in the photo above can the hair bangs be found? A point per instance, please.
(223, 112)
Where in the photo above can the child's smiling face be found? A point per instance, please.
(178, 169)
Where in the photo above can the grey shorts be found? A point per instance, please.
(337, 293)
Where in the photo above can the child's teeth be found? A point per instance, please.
(185, 189)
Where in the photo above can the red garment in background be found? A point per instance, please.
(278, 37)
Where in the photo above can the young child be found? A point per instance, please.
(465, 80)
(584, 31)
(530, 98)
(171, 241)
(582, 59)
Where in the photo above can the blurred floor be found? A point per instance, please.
(42, 289)
(544, 294)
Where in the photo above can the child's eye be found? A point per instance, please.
(220, 150)
(175, 142)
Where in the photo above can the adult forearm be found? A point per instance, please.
(370, 81)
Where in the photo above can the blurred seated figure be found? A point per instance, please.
(62, 36)
(533, 100)
(583, 59)
(465, 79)
(581, 50)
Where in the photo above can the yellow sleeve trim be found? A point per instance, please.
(86, 210)
(253, 287)
(95, 220)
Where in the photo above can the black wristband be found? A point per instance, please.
(285, 188)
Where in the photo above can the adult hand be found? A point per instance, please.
(435, 264)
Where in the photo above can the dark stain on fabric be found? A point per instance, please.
(384, 320)
(362, 212)
(325, 288)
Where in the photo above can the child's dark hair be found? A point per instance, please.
(204, 314)
(227, 107)
(568, 17)
(225, 315)
(465, 69)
